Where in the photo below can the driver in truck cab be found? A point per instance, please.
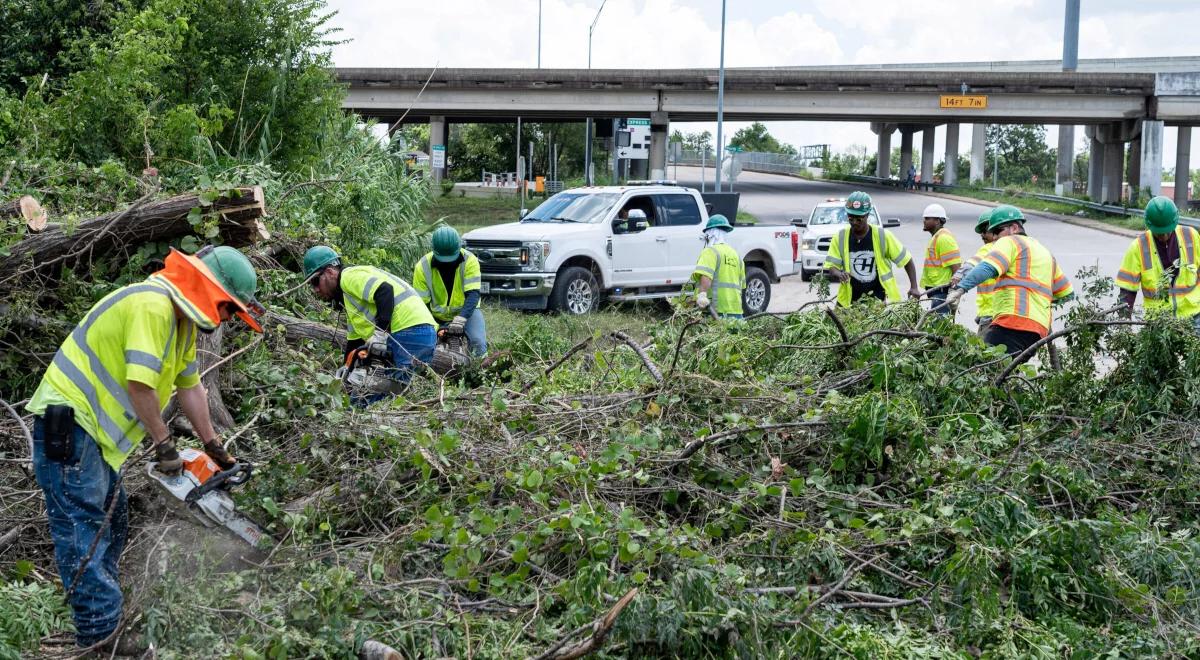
(720, 269)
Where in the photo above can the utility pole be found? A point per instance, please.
(539, 61)
(720, 102)
(587, 136)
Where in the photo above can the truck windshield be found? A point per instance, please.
(834, 215)
(573, 207)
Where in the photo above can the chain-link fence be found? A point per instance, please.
(756, 161)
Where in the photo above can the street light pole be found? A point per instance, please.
(539, 63)
(721, 102)
(587, 136)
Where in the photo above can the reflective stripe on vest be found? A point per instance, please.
(406, 292)
(75, 375)
(429, 295)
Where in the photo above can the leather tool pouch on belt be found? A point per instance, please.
(59, 441)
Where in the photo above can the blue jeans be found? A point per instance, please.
(937, 300)
(1196, 323)
(78, 491)
(476, 331)
(408, 346)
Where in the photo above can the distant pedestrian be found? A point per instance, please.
(910, 182)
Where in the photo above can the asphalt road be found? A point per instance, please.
(775, 199)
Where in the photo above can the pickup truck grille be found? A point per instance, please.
(823, 243)
(497, 257)
(474, 245)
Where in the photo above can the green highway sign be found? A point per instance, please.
(733, 149)
(637, 122)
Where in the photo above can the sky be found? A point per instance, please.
(658, 34)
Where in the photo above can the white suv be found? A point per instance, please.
(818, 230)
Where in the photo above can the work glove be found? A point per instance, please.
(217, 453)
(167, 457)
(702, 299)
(953, 297)
(457, 326)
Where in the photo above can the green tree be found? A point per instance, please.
(45, 37)
(755, 137)
(1023, 153)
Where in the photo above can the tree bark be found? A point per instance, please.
(295, 329)
(208, 351)
(118, 233)
(28, 209)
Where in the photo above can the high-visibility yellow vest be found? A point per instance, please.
(724, 267)
(889, 252)
(1029, 281)
(941, 253)
(359, 284)
(130, 335)
(433, 292)
(983, 292)
(1142, 268)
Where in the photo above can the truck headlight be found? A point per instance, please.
(808, 244)
(533, 255)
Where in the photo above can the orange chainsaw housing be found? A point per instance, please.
(198, 464)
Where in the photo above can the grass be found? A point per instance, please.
(1034, 204)
(633, 318)
(467, 213)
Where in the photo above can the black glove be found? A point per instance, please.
(167, 456)
(218, 454)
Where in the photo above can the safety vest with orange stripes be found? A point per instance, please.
(941, 253)
(1029, 281)
(1142, 268)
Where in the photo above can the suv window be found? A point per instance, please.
(679, 210)
(836, 215)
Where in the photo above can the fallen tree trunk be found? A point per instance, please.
(295, 329)
(113, 234)
(27, 209)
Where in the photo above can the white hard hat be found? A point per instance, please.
(934, 211)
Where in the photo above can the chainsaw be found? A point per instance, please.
(366, 371)
(204, 488)
(452, 352)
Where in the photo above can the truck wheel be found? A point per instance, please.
(757, 294)
(806, 275)
(575, 292)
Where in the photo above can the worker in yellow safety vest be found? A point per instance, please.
(380, 307)
(104, 393)
(862, 257)
(448, 281)
(983, 293)
(942, 258)
(720, 269)
(1028, 282)
(1162, 262)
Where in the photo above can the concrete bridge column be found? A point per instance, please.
(978, 151)
(1064, 183)
(950, 177)
(906, 159)
(883, 154)
(1095, 164)
(437, 137)
(1150, 157)
(659, 123)
(1183, 172)
(1134, 175)
(927, 137)
(1114, 172)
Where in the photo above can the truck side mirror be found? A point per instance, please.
(891, 222)
(799, 222)
(524, 212)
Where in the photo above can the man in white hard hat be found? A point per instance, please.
(942, 258)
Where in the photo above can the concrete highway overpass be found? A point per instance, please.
(1120, 102)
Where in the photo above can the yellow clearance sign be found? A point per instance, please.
(964, 102)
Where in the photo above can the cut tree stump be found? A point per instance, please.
(122, 232)
(28, 209)
(295, 329)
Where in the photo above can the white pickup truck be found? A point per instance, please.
(578, 247)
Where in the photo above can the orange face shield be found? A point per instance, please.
(198, 293)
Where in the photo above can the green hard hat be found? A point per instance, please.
(1005, 214)
(236, 275)
(985, 219)
(718, 221)
(1162, 216)
(446, 244)
(858, 203)
(318, 257)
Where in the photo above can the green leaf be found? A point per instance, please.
(533, 478)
